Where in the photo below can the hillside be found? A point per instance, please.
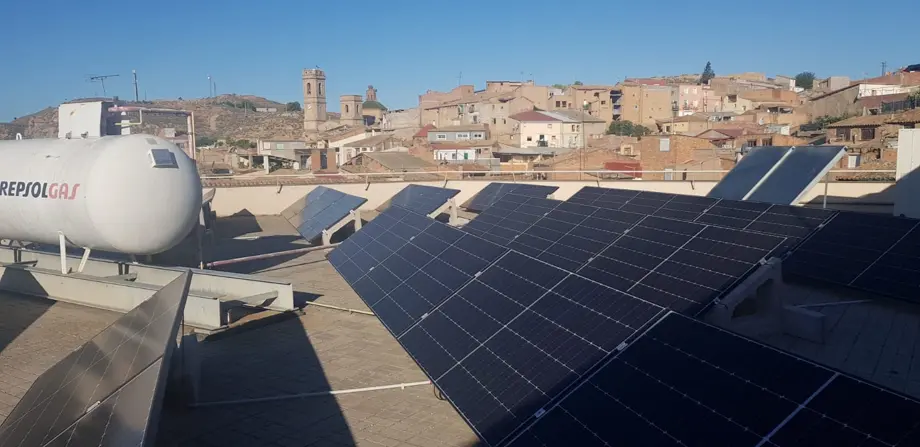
(224, 116)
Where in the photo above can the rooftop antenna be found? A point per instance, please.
(884, 68)
(101, 80)
(136, 93)
(460, 79)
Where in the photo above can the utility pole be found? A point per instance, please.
(101, 80)
(460, 79)
(136, 93)
(210, 86)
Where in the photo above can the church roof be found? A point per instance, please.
(374, 105)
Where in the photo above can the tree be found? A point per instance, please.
(805, 79)
(577, 83)
(559, 86)
(707, 74)
(293, 106)
(205, 141)
(627, 129)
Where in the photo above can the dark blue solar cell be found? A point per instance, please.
(422, 199)
(754, 166)
(493, 192)
(796, 174)
(319, 210)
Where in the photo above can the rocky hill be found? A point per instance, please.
(224, 116)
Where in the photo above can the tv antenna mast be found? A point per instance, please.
(101, 80)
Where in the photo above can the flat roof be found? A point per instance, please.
(321, 349)
(36, 333)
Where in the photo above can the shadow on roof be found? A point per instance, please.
(16, 318)
(252, 361)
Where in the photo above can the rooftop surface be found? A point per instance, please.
(324, 349)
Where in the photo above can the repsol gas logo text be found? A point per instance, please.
(40, 190)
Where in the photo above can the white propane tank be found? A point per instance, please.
(135, 194)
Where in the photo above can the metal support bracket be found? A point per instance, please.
(353, 216)
(86, 252)
(62, 241)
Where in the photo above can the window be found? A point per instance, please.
(694, 90)
(549, 126)
(463, 136)
(346, 108)
(686, 91)
(478, 136)
(309, 89)
(504, 121)
(751, 143)
(529, 138)
(603, 103)
(768, 142)
(664, 145)
(843, 132)
(493, 119)
(558, 103)
(319, 89)
(867, 133)
(668, 174)
(442, 136)
(565, 103)
(573, 128)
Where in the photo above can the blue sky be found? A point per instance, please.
(49, 48)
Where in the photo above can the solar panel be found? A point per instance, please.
(516, 336)
(754, 166)
(501, 224)
(71, 388)
(792, 222)
(495, 191)
(686, 383)
(796, 174)
(421, 199)
(679, 265)
(319, 210)
(125, 418)
(376, 241)
(414, 267)
(877, 253)
(502, 333)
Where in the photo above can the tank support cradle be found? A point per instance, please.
(62, 240)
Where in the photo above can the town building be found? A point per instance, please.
(558, 128)
(595, 100)
(376, 143)
(373, 110)
(642, 104)
(844, 102)
(314, 99)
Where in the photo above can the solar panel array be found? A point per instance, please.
(319, 210)
(792, 222)
(506, 336)
(685, 383)
(737, 183)
(101, 394)
(877, 253)
(495, 191)
(421, 199)
(777, 174)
